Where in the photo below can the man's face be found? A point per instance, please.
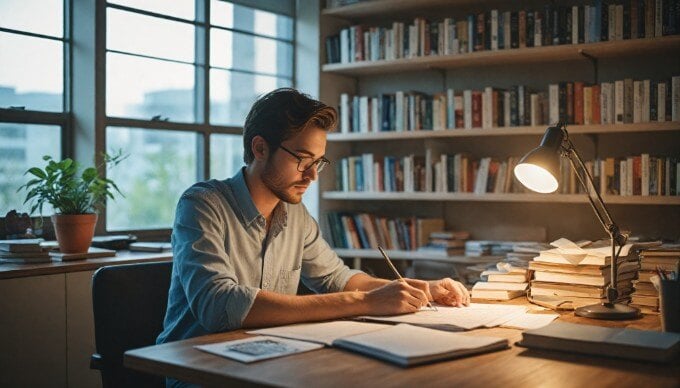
(281, 173)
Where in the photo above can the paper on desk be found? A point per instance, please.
(574, 254)
(258, 348)
(322, 333)
(467, 318)
(526, 321)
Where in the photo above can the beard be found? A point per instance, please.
(277, 184)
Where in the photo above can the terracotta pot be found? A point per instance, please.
(74, 231)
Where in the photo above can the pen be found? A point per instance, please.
(394, 269)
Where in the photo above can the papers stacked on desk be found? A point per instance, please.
(477, 315)
(571, 275)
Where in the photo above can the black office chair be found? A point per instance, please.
(129, 303)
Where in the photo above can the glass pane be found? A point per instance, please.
(226, 155)
(142, 88)
(26, 79)
(146, 35)
(233, 93)
(242, 18)
(22, 146)
(38, 16)
(256, 54)
(178, 8)
(160, 166)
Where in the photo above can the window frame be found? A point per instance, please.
(202, 127)
(64, 119)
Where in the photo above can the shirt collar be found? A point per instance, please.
(249, 212)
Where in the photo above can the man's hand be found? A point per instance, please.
(444, 291)
(396, 297)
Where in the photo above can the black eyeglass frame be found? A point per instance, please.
(320, 163)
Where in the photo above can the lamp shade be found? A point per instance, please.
(538, 170)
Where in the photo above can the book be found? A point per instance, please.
(24, 257)
(402, 344)
(496, 294)
(92, 253)
(498, 276)
(149, 246)
(27, 245)
(604, 341)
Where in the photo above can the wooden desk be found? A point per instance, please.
(333, 367)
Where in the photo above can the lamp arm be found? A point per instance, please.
(600, 209)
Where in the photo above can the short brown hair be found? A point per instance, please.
(280, 115)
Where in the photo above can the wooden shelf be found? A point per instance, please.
(381, 8)
(505, 131)
(530, 55)
(490, 197)
(413, 255)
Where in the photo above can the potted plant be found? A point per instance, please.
(75, 196)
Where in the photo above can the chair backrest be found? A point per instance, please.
(129, 303)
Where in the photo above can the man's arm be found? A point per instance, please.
(391, 298)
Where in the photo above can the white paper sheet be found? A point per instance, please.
(471, 317)
(322, 333)
(525, 321)
(258, 348)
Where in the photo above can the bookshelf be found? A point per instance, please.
(496, 216)
(523, 56)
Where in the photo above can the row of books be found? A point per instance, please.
(34, 251)
(666, 258)
(461, 173)
(498, 30)
(368, 231)
(618, 102)
(571, 275)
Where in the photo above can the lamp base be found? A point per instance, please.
(608, 311)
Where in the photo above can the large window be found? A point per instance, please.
(33, 64)
(180, 78)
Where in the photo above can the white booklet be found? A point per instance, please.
(258, 348)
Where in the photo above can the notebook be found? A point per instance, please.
(404, 345)
(604, 341)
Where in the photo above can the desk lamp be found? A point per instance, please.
(538, 171)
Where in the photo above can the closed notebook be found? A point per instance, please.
(407, 345)
(604, 341)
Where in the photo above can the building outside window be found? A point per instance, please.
(180, 79)
(33, 112)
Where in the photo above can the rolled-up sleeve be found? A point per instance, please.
(322, 269)
(205, 271)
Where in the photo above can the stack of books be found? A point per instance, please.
(572, 275)
(666, 258)
(486, 248)
(23, 251)
(503, 283)
(446, 243)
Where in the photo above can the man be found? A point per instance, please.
(241, 246)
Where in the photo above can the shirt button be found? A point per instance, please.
(265, 285)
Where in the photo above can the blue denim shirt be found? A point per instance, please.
(223, 255)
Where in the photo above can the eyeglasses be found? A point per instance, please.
(305, 163)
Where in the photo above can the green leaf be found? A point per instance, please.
(37, 172)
